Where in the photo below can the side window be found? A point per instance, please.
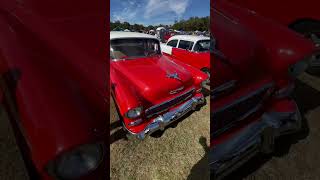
(187, 45)
(172, 43)
(197, 47)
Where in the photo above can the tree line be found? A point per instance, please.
(192, 24)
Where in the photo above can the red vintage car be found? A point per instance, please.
(149, 89)
(255, 64)
(189, 49)
(53, 86)
(301, 16)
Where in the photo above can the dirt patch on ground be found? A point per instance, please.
(177, 153)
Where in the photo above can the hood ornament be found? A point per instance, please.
(173, 76)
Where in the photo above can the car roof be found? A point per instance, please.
(122, 34)
(192, 38)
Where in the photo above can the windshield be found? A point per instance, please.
(203, 46)
(132, 48)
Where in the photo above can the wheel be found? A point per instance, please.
(311, 30)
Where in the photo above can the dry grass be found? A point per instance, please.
(177, 154)
(11, 163)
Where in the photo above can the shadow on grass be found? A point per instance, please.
(201, 169)
(118, 135)
(307, 99)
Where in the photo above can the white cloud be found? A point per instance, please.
(160, 7)
(128, 13)
(134, 11)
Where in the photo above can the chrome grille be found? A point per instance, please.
(226, 117)
(159, 108)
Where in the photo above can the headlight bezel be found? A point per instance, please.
(52, 167)
(297, 68)
(138, 109)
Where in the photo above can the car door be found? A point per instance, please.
(167, 48)
(183, 52)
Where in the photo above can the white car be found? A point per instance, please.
(190, 49)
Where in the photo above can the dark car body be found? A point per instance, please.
(255, 62)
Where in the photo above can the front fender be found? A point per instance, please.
(52, 98)
(279, 47)
(123, 91)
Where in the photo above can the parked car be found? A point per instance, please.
(190, 49)
(302, 17)
(53, 86)
(255, 64)
(149, 89)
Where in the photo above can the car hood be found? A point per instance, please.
(149, 76)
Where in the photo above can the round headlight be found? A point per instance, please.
(79, 162)
(134, 113)
(298, 68)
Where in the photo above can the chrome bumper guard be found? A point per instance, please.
(258, 137)
(160, 122)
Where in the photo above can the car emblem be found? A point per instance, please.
(176, 90)
(174, 76)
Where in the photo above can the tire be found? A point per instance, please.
(311, 30)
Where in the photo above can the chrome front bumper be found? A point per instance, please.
(160, 122)
(258, 137)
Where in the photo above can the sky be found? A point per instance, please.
(155, 12)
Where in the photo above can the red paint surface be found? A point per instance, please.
(199, 60)
(60, 95)
(285, 12)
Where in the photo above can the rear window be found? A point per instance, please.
(187, 45)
